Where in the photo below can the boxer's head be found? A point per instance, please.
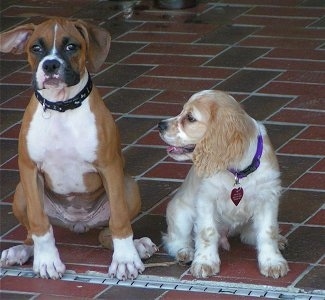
(58, 50)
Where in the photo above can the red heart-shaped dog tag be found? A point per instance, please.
(236, 195)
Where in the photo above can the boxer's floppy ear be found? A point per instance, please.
(15, 40)
(98, 42)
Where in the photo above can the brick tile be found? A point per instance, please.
(8, 220)
(300, 116)
(280, 134)
(280, 42)
(261, 107)
(237, 57)
(191, 72)
(319, 167)
(292, 167)
(17, 102)
(246, 271)
(301, 53)
(54, 287)
(9, 91)
(163, 59)
(169, 170)
(218, 15)
(157, 37)
(161, 83)
(51, 297)
(174, 270)
(153, 191)
(313, 133)
(130, 293)
(124, 100)
(247, 80)
(227, 35)
(287, 64)
(140, 159)
(265, 2)
(8, 181)
(273, 21)
(311, 181)
(297, 206)
(139, 127)
(314, 279)
(304, 147)
(174, 27)
(303, 76)
(151, 226)
(78, 254)
(39, 11)
(294, 32)
(8, 149)
(318, 219)
(302, 240)
(119, 50)
(14, 78)
(96, 11)
(152, 139)
(161, 208)
(12, 66)
(120, 75)
(11, 164)
(288, 11)
(173, 96)
(309, 102)
(157, 109)
(184, 49)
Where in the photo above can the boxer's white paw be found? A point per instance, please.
(145, 247)
(126, 262)
(16, 255)
(47, 262)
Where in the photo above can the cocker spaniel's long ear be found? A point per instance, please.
(225, 141)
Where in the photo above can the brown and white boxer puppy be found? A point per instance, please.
(70, 160)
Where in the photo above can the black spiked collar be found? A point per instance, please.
(62, 106)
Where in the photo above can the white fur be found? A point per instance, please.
(16, 255)
(47, 262)
(202, 211)
(75, 136)
(126, 262)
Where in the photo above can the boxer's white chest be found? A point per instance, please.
(64, 146)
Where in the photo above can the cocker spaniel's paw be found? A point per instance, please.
(205, 268)
(282, 242)
(273, 266)
(185, 255)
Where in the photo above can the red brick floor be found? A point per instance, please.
(270, 55)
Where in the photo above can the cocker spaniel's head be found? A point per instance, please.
(212, 130)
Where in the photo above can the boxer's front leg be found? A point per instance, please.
(126, 262)
(47, 262)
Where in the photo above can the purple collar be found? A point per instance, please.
(255, 162)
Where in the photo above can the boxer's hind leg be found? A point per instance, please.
(19, 254)
(144, 246)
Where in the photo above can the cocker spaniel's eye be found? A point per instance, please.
(190, 118)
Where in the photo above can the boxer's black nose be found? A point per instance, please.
(51, 66)
(162, 126)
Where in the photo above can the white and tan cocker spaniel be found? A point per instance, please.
(232, 188)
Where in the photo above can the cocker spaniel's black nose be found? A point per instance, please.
(162, 126)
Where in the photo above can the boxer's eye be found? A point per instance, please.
(71, 47)
(37, 49)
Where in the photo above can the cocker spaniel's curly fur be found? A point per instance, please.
(219, 137)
